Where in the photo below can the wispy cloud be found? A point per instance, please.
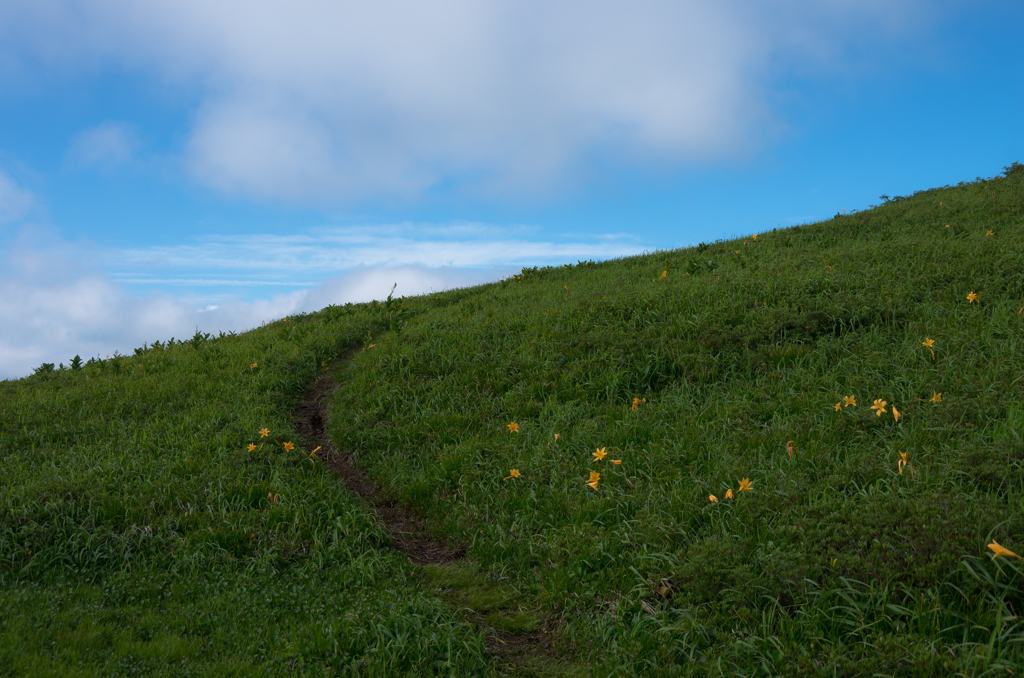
(15, 202)
(59, 299)
(90, 315)
(215, 281)
(111, 143)
(327, 250)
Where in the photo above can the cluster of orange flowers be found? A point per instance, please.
(288, 446)
(745, 485)
(595, 477)
(879, 404)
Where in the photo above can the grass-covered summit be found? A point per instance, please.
(785, 454)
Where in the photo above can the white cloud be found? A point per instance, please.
(330, 101)
(56, 300)
(15, 202)
(324, 251)
(111, 143)
(89, 315)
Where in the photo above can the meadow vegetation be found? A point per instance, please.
(793, 453)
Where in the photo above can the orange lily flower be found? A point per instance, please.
(1001, 550)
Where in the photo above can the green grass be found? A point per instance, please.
(834, 562)
(137, 534)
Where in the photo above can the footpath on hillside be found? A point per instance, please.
(522, 643)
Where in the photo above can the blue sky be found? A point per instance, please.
(172, 165)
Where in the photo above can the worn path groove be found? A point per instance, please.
(409, 533)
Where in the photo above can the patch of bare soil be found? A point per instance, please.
(409, 532)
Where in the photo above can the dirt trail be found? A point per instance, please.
(409, 532)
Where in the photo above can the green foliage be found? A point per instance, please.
(140, 534)
(738, 349)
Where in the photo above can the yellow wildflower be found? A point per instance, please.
(664, 274)
(713, 498)
(936, 397)
(1001, 550)
(513, 427)
(253, 366)
(928, 343)
(595, 477)
(850, 401)
(745, 485)
(557, 437)
(972, 297)
(252, 446)
(896, 414)
(615, 461)
(904, 461)
(288, 447)
(600, 454)
(988, 233)
(755, 236)
(728, 493)
(514, 473)
(838, 406)
(264, 432)
(879, 406)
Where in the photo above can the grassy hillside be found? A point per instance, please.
(139, 533)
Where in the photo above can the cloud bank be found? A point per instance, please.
(89, 315)
(320, 101)
(59, 299)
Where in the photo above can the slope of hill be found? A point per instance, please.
(786, 454)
